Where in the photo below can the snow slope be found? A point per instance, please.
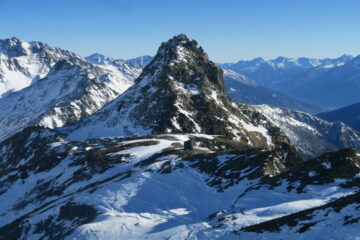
(22, 63)
(140, 185)
(151, 188)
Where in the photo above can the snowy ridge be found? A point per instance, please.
(311, 135)
(130, 69)
(284, 62)
(238, 77)
(100, 59)
(22, 63)
(140, 61)
(60, 86)
(315, 223)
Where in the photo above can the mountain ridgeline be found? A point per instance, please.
(326, 83)
(306, 131)
(51, 87)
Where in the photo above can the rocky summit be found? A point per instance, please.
(180, 91)
(172, 157)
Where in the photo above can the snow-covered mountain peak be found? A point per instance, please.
(14, 47)
(178, 49)
(22, 63)
(355, 61)
(118, 67)
(98, 58)
(345, 57)
(257, 60)
(141, 61)
(281, 59)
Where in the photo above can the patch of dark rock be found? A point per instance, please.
(79, 212)
(305, 227)
(13, 231)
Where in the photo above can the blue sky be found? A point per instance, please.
(229, 30)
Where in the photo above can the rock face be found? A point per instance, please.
(53, 86)
(311, 135)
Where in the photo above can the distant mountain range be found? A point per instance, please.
(139, 62)
(327, 83)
